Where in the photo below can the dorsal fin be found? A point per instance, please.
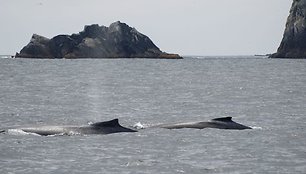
(111, 123)
(224, 119)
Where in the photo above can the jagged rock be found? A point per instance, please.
(293, 44)
(37, 48)
(116, 41)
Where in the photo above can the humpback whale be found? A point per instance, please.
(219, 123)
(107, 127)
(113, 126)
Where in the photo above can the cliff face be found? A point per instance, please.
(116, 41)
(293, 44)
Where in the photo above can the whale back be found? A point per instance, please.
(108, 127)
(111, 123)
(227, 123)
(223, 119)
(219, 123)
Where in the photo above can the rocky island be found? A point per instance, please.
(116, 41)
(293, 44)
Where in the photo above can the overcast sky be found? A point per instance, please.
(187, 27)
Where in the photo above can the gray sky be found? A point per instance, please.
(187, 27)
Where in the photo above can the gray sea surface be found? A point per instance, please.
(267, 94)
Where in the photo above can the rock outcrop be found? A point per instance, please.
(293, 44)
(116, 41)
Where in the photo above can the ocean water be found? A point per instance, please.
(267, 94)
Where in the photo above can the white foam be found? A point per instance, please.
(70, 133)
(255, 127)
(138, 126)
(19, 132)
(5, 56)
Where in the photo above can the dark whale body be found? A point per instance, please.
(219, 123)
(107, 127)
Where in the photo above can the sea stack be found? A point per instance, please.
(116, 41)
(293, 44)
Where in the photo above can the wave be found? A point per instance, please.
(140, 125)
(19, 132)
(256, 127)
(227, 57)
(6, 56)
